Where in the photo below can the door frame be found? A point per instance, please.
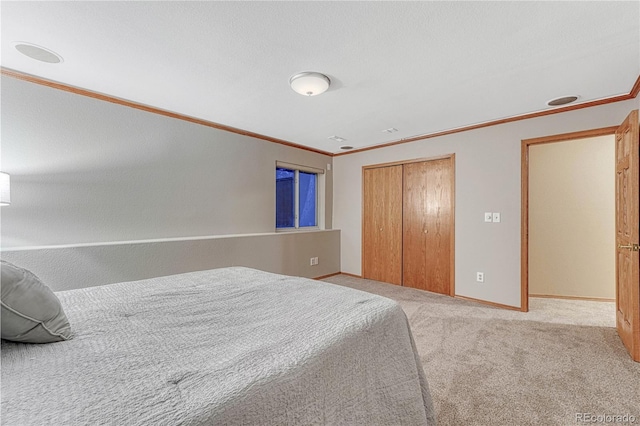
(524, 241)
(452, 233)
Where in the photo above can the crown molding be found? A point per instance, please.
(635, 89)
(95, 95)
(633, 93)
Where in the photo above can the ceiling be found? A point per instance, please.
(420, 67)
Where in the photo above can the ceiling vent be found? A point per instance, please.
(562, 100)
(337, 139)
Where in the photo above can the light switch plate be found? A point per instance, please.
(488, 217)
(496, 217)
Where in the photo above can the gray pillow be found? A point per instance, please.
(31, 313)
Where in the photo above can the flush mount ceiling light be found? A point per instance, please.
(310, 83)
(38, 53)
(563, 100)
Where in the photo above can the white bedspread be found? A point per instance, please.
(228, 346)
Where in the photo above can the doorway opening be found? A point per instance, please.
(568, 235)
(627, 217)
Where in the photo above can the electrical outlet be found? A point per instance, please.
(480, 277)
(488, 217)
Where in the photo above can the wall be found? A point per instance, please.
(572, 218)
(88, 171)
(488, 179)
(87, 265)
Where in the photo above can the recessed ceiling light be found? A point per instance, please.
(390, 130)
(38, 53)
(563, 100)
(310, 83)
(346, 147)
(337, 139)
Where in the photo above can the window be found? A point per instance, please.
(296, 196)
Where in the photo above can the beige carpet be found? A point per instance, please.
(489, 366)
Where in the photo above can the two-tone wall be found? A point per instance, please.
(488, 179)
(125, 194)
(86, 172)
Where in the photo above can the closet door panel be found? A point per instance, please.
(428, 218)
(382, 224)
(414, 224)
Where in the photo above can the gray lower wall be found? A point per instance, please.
(71, 267)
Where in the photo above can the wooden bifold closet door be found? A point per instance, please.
(382, 224)
(427, 211)
(408, 224)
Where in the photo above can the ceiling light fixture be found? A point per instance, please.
(563, 100)
(310, 83)
(38, 53)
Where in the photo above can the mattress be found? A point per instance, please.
(230, 346)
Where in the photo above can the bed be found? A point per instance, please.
(230, 346)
